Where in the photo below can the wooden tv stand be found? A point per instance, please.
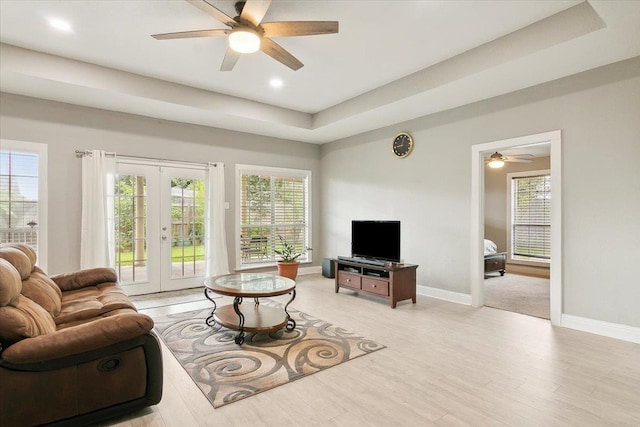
(395, 282)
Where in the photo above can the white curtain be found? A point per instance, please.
(97, 241)
(215, 234)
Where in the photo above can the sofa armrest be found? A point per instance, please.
(78, 339)
(84, 278)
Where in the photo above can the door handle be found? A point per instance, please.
(164, 237)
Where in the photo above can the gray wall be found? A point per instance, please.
(66, 128)
(598, 113)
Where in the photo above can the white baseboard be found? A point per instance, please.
(598, 327)
(442, 294)
(310, 270)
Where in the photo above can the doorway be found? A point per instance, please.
(478, 216)
(159, 222)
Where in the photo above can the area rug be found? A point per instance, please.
(227, 372)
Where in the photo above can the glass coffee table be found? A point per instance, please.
(253, 318)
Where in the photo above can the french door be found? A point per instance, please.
(159, 227)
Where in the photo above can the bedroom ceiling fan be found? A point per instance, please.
(497, 160)
(247, 33)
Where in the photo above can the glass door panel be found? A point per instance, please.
(184, 216)
(136, 256)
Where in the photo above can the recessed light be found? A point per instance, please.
(276, 83)
(60, 25)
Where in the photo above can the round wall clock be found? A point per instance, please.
(402, 145)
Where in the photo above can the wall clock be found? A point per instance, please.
(402, 145)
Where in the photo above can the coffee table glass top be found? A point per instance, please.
(250, 284)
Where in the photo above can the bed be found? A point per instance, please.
(493, 260)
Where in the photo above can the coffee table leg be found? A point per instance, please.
(291, 324)
(209, 321)
(240, 337)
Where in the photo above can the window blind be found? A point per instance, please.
(531, 217)
(272, 205)
(19, 198)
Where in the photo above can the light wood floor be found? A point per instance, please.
(445, 364)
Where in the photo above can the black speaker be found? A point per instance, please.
(328, 269)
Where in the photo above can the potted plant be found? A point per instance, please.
(288, 265)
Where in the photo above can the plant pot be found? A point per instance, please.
(288, 269)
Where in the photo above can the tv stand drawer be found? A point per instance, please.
(349, 280)
(375, 286)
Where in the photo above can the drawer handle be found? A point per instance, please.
(348, 280)
(108, 365)
(375, 286)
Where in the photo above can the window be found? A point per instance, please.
(530, 215)
(22, 186)
(272, 202)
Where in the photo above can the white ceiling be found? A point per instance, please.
(391, 61)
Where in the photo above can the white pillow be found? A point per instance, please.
(490, 247)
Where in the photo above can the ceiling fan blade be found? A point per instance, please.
(517, 160)
(230, 59)
(299, 28)
(279, 53)
(189, 34)
(210, 9)
(254, 10)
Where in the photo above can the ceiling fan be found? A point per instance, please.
(497, 160)
(247, 33)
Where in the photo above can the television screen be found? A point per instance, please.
(378, 240)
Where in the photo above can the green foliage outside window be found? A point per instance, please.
(272, 206)
(187, 211)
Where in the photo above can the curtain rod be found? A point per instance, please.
(82, 153)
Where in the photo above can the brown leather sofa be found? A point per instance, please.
(74, 350)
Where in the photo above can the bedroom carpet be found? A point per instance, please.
(517, 293)
(226, 372)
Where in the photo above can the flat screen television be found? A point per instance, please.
(376, 240)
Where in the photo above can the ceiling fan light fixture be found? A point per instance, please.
(496, 163)
(244, 40)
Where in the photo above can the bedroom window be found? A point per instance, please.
(272, 202)
(530, 216)
(23, 213)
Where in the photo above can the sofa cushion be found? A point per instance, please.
(60, 326)
(24, 318)
(10, 283)
(92, 301)
(27, 250)
(79, 339)
(42, 290)
(83, 278)
(18, 259)
(36, 285)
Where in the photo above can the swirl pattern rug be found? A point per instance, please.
(226, 372)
